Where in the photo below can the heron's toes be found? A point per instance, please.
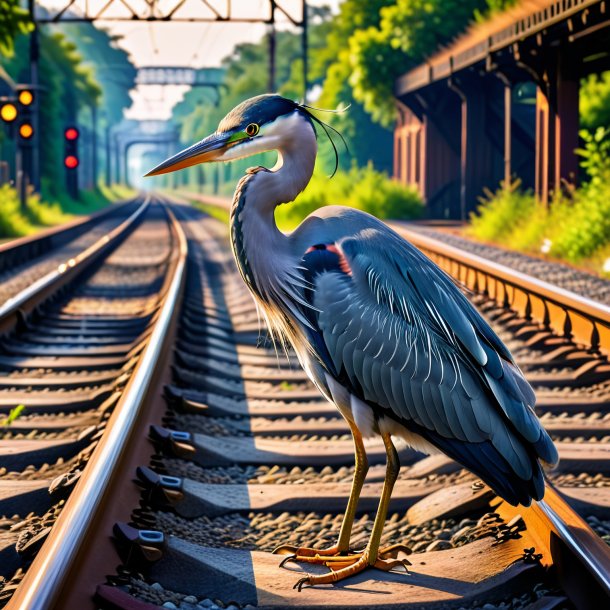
(392, 565)
(305, 551)
(342, 567)
(391, 552)
(330, 561)
(285, 549)
(299, 584)
(288, 559)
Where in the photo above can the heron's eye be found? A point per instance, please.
(252, 129)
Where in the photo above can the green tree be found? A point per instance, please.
(331, 66)
(407, 33)
(595, 101)
(67, 86)
(110, 64)
(14, 20)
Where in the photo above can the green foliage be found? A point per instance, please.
(247, 75)
(362, 188)
(574, 228)
(508, 207)
(15, 222)
(14, 20)
(42, 212)
(594, 101)
(331, 66)
(110, 66)
(409, 30)
(586, 225)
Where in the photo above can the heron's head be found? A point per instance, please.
(257, 125)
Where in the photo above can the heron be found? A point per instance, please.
(379, 328)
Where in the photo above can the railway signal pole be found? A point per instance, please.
(34, 147)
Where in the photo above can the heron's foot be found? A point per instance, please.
(342, 567)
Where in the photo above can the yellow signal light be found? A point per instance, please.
(26, 97)
(26, 131)
(8, 112)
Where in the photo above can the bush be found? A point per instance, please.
(502, 214)
(13, 222)
(573, 228)
(362, 188)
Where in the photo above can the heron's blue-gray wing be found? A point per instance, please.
(400, 335)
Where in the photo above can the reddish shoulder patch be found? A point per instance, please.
(343, 262)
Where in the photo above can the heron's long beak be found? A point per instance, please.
(209, 149)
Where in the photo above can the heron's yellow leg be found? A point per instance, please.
(361, 470)
(344, 567)
(342, 545)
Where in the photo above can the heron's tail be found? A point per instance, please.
(485, 461)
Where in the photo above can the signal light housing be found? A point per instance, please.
(71, 161)
(8, 112)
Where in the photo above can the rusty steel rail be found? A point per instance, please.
(47, 576)
(569, 315)
(566, 543)
(39, 291)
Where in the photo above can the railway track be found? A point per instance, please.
(26, 260)
(234, 453)
(71, 342)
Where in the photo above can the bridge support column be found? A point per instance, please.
(427, 151)
(557, 125)
(508, 133)
(408, 149)
(483, 148)
(566, 120)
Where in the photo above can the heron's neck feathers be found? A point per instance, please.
(264, 254)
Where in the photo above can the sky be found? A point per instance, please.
(184, 44)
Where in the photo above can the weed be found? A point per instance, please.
(12, 416)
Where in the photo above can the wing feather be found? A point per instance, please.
(413, 347)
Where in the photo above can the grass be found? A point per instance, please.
(41, 211)
(575, 227)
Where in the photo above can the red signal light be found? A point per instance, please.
(71, 162)
(71, 134)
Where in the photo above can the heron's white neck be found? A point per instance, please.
(262, 251)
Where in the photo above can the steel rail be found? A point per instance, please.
(573, 316)
(47, 574)
(37, 292)
(580, 558)
(574, 531)
(569, 314)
